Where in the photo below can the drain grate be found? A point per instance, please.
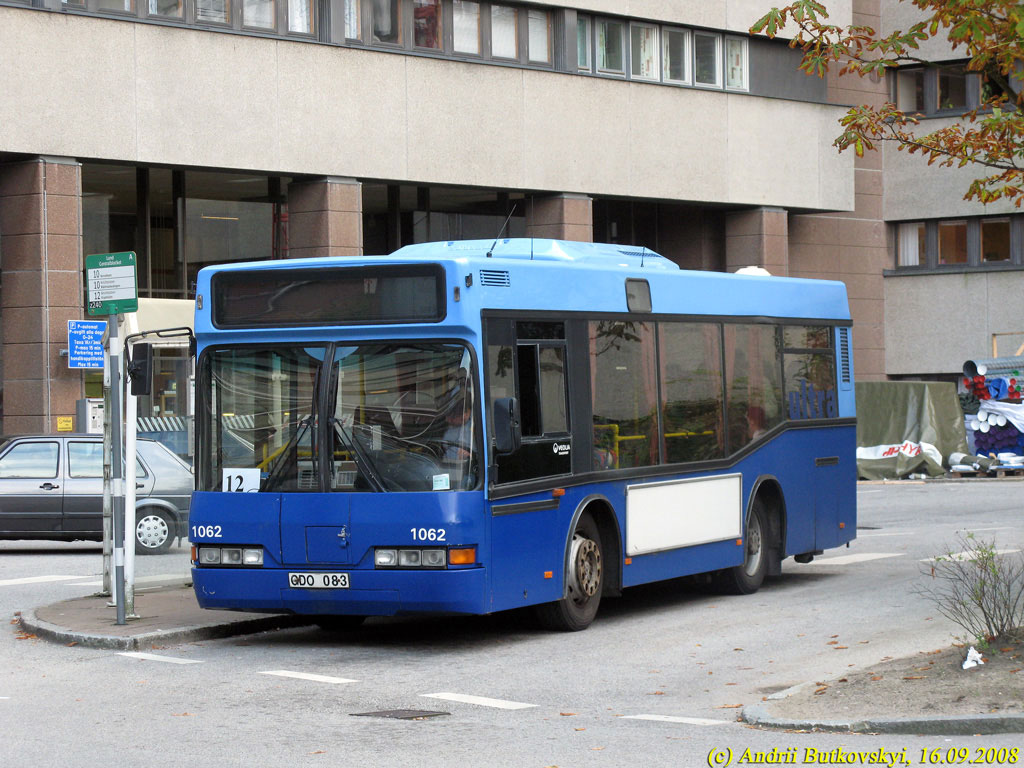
(402, 714)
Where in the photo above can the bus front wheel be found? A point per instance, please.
(584, 582)
(747, 578)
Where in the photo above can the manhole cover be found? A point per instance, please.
(402, 714)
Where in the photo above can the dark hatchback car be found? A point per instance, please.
(51, 487)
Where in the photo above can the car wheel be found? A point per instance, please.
(154, 532)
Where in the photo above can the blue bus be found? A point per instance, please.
(471, 427)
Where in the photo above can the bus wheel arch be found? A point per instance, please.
(591, 568)
(763, 537)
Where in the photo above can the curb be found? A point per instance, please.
(966, 725)
(32, 623)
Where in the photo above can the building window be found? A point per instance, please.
(643, 49)
(466, 27)
(609, 46)
(736, 63)
(676, 55)
(583, 43)
(126, 6)
(169, 8)
(707, 59)
(384, 21)
(909, 95)
(300, 16)
(504, 32)
(538, 37)
(995, 240)
(953, 242)
(212, 11)
(952, 84)
(426, 24)
(911, 244)
(352, 25)
(258, 13)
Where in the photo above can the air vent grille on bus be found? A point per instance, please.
(845, 367)
(495, 277)
(637, 252)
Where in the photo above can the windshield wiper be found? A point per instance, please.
(282, 460)
(359, 454)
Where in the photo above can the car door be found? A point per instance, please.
(83, 486)
(31, 492)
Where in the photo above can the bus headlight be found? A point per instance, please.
(231, 556)
(209, 555)
(409, 557)
(433, 558)
(385, 558)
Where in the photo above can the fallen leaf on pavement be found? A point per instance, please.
(319, 752)
(72, 644)
(596, 749)
(876, 678)
(821, 690)
(841, 648)
(657, 693)
(729, 706)
(183, 714)
(832, 642)
(579, 729)
(25, 636)
(567, 714)
(843, 680)
(914, 677)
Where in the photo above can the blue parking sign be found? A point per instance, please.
(85, 343)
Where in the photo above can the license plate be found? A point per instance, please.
(318, 580)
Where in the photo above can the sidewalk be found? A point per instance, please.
(167, 614)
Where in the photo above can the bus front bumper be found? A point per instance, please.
(372, 593)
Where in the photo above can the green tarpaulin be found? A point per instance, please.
(905, 428)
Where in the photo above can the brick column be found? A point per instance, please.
(41, 258)
(325, 218)
(757, 238)
(561, 217)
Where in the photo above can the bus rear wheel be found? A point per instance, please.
(585, 581)
(747, 578)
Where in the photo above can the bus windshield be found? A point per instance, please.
(396, 417)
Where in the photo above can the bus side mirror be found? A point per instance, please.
(507, 433)
(140, 369)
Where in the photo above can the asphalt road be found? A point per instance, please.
(656, 680)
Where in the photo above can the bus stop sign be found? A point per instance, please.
(110, 282)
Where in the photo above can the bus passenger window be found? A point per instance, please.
(624, 386)
(529, 392)
(755, 381)
(691, 391)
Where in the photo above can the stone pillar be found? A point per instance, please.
(41, 261)
(561, 217)
(757, 238)
(325, 218)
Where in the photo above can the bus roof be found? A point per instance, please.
(537, 274)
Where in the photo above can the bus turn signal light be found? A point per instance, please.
(557, 493)
(465, 556)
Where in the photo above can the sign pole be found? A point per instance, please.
(108, 498)
(117, 467)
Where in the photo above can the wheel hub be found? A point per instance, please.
(585, 575)
(151, 531)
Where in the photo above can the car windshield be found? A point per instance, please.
(396, 417)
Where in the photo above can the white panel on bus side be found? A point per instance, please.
(682, 513)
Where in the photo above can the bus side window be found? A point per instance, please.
(691, 391)
(755, 381)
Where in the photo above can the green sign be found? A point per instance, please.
(110, 283)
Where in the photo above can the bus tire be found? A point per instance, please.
(154, 531)
(747, 578)
(339, 623)
(584, 582)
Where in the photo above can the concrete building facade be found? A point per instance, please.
(203, 131)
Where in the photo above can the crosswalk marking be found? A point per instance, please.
(308, 676)
(37, 580)
(154, 657)
(968, 555)
(675, 719)
(850, 559)
(481, 701)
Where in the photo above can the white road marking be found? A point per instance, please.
(37, 580)
(850, 559)
(968, 555)
(154, 657)
(308, 676)
(1000, 528)
(178, 577)
(674, 719)
(481, 701)
(872, 535)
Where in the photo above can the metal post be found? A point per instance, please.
(108, 530)
(130, 434)
(117, 466)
